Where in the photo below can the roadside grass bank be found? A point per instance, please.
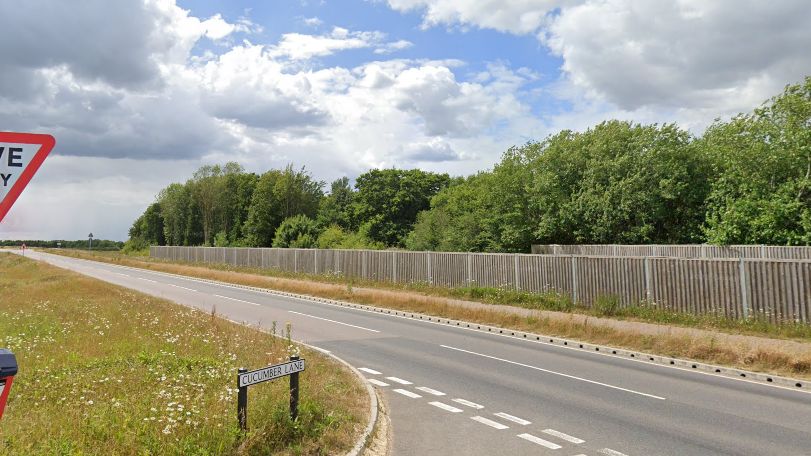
(576, 324)
(106, 370)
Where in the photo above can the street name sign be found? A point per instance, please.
(270, 373)
(21, 155)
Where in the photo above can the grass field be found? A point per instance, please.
(105, 370)
(429, 300)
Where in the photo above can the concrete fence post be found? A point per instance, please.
(744, 288)
(648, 291)
(394, 267)
(574, 279)
(469, 269)
(515, 260)
(364, 268)
(430, 276)
(295, 260)
(315, 261)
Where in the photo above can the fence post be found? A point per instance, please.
(515, 259)
(469, 269)
(647, 280)
(364, 269)
(574, 279)
(744, 288)
(394, 267)
(430, 276)
(242, 403)
(295, 260)
(315, 261)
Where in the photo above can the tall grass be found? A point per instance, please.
(104, 370)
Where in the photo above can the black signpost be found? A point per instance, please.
(246, 379)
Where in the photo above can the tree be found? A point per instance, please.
(298, 231)
(148, 228)
(336, 208)
(387, 201)
(763, 161)
(206, 185)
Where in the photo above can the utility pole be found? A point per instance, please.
(90, 241)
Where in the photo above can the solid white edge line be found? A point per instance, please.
(315, 300)
(563, 436)
(468, 403)
(407, 393)
(399, 380)
(235, 299)
(512, 418)
(369, 371)
(491, 423)
(432, 391)
(377, 382)
(555, 373)
(333, 321)
(446, 407)
(540, 441)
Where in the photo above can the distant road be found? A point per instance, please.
(458, 391)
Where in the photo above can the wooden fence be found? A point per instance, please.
(763, 252)
(778, 290)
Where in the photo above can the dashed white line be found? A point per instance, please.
(468, 403)
(490, 423)
(447, 407)
(125, 275)
(555, 373)
(377, 382)
(333, 321)
(235, 299)
(563, 436)
(540, 441)
(369, 371)
(178, 286)
(610, 452)
(407, 393)
(399, 380)
(514, 419)
(147, 280)
(425, 389)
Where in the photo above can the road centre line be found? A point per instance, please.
(610, 452)
(425, 389)
(407, 393)
(446, 407)
(369, 371)
(377, 382)
(555, 373)
(235, 299)
(122, 274)
(147, 280)
(315, 300)
(468, 403)
(514, 419)
(563, 436)
(540, 441)
(178, 286)
(491, 423)
(333, 321)
(399, 380)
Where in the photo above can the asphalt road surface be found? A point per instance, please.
(454, 390)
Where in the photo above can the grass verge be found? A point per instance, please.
(429, 300)
(105, 370)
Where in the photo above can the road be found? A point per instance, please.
(455, 390)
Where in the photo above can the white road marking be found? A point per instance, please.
(540, 441)
(490, 423)
(563, 436)
(514, 419)
(556, 373)
(407, 393)
(468, 403)
(235, 299)
(333, 321)
(399, 380)
(147, 280)
(369, 371)
(125, 275)
(321, 349)
(178, 286)
(447, 407)
(425, 389)
(610, 452)
(377, 382)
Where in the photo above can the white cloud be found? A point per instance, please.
(512, 16)
(312, 21)
(394, 46)
(297, 46)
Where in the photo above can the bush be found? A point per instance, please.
(607, 305)
(298, 231)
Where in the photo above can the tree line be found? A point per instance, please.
(743, 181)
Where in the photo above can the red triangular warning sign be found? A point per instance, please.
(21, 155)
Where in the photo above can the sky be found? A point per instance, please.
(139, 94)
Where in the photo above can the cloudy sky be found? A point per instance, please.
(140, 94)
